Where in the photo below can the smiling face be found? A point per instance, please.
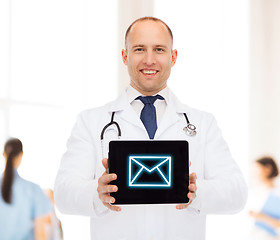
(149, 56)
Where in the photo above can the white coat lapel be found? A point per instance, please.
(129, 115)
(172, 114)
(170, 117)
(125, 111)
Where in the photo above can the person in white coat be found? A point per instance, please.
(83, 185)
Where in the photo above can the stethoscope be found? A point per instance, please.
(190, 129)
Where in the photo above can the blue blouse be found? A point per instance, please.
(271, 208)
(28, 203)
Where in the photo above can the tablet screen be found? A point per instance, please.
(150, 172)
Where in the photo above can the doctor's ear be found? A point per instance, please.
(124, 56)
(174, 56)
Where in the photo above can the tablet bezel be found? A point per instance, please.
(119, 152)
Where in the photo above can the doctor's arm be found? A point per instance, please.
(222, 188)
(75, 190)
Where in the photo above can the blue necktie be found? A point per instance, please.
(148, 114)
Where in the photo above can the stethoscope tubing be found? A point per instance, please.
(190, 129)
(108, 125)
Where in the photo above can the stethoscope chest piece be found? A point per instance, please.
(190, 129)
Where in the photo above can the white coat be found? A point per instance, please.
(221, 188)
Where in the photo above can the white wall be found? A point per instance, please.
(265, 79)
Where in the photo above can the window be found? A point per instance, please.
(59, 59)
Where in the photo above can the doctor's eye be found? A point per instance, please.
(159, 49)
(139, 50)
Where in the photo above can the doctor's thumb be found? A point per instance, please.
(105, 163)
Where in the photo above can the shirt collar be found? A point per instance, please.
(132, 93)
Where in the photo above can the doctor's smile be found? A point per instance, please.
(149, 72)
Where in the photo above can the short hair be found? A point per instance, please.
(147, 19)
(269, 161)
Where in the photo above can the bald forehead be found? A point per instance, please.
(138, 26)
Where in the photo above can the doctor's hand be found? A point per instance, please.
(191, 193)
(104, 187)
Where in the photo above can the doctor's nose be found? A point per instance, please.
(149, 58)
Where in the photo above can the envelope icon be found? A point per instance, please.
(149, 171)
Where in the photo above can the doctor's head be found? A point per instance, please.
(149, 54)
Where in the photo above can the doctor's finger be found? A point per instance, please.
(106, 198)
(107, 189)
(113, 208)
(191, 195)
(192, 188)
(193, 178)
(105, 163)
(182, 206)
(107, 178)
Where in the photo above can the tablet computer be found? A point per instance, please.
(150, 172)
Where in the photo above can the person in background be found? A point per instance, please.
(53, 226)
(267, 220)
(23, 205)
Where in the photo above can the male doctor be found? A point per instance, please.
(83, 184)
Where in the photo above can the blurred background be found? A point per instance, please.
(60, 57)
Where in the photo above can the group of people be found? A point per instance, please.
(147, 109)
(26, 212)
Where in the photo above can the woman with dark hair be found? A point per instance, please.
(267, 220)
(23, 205)
(268, 171)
